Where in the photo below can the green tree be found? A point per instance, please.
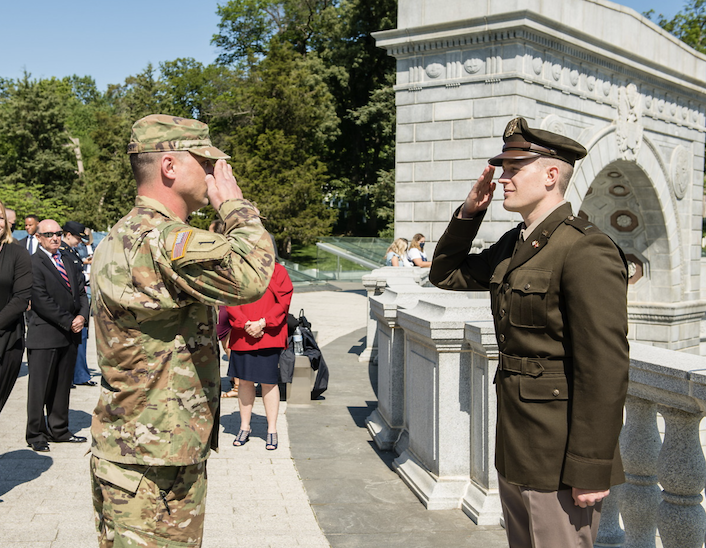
(359, 77)
(247, 27)
(286, 120)
(108, 189)
(35, 145)
(30, 199)
(689, 25)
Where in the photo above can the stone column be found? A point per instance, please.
(375, 283)
(436, 463)
(386, 423)
(481, 501)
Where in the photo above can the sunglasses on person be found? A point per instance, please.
(59, 234)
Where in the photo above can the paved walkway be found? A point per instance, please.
(326, 485)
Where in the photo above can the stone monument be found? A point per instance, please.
(593, 70)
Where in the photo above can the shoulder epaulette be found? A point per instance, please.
(581, 224)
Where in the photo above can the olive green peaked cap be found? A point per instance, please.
(523, 142)
(164, 133)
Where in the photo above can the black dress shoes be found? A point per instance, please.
(39, 446)
(88, 383)
(72, 439)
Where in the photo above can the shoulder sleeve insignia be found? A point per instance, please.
(180, 243)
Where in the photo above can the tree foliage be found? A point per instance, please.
(300, 96)
(689, 25)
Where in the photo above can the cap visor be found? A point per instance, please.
(209, 152)
(512, 155)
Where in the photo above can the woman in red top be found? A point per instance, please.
(258, 336)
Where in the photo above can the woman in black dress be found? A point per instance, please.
(15, 289)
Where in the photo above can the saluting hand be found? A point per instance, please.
(222, 185)
(480, 196)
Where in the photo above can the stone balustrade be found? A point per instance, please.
(436, 361)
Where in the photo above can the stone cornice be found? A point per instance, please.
(533, 29)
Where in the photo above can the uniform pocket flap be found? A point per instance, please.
(531, 281)
(546, 387)
(124, 476)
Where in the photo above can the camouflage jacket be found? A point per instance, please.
(156, 281)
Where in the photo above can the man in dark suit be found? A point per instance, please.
(558, 289)
(30, 242)
(60, 310)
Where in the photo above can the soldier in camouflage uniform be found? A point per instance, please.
(156, 282)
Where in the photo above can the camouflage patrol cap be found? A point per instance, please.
(164, 133)
(523, 142)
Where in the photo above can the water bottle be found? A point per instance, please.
(298, 342)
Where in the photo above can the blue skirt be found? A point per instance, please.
(256, 366)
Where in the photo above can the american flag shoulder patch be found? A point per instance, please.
(180, 243)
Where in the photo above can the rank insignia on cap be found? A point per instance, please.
(511, 127)
(535, 244)
(179, 247)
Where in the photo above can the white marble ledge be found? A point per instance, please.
(445, 316)
(385, 306)
(666, 377)
(380, 277)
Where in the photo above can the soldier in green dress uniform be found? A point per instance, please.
(558, 289)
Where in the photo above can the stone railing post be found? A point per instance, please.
(436, 463)
(386, 422)
(481, 502)
(375, 283)
(682, 473)
(639, 497)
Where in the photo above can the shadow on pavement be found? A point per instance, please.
(21, 466)
(79, 420)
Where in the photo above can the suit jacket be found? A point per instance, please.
(54, 304)
(15, 289)
(23, 243)
(559, 301)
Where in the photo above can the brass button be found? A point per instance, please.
(527, 286)
(556, 392)
(571, 217)
(502, 337)
(502, 312)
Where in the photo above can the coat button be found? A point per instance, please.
(555, 393)
(502, 337)
(571, 217)
(502, 312)
(506, 286)
(527, 286)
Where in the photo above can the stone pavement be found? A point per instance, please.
(326, 485)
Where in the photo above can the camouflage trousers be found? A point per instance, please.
(148, 506)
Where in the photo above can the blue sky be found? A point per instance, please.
(111, 40)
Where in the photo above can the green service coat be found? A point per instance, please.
(559, 303)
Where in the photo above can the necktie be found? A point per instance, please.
(30, 244)
(61, 269)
